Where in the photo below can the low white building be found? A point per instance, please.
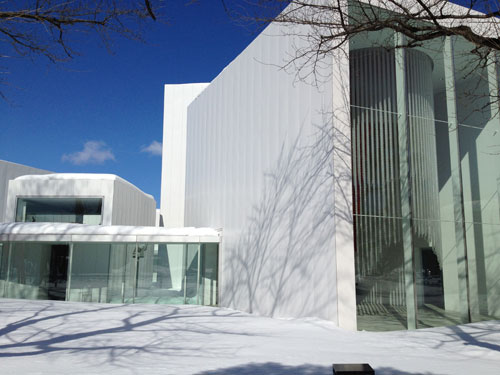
(98, 199)
(92, 238)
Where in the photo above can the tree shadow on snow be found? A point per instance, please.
(79, 332)
(273, 368)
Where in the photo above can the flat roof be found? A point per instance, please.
(64, 232)
(78, 176)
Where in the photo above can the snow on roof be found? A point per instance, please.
(71, 176)
(79, 176)
(45, 231)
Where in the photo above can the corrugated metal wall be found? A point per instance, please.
(260, 165)
(9, 171)
(131, 206)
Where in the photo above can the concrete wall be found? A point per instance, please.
(177, 98)
(261, 149)
(9, 171)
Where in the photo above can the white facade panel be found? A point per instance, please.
(260, 165)
(122, 203)
(9, 171)
(177, 98)
(131, 206)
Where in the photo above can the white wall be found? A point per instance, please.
(177, 98)
(123, 203)
(260, 165)
(131, 206)
(9, 171)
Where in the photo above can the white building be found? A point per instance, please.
(99, 199)
(368, 198)
(91, 238)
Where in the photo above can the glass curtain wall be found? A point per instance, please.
(177, 273)
(426, 182)
(160, 273)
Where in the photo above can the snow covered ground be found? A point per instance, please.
(47, 337)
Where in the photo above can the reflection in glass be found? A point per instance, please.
(178, 274)
(4, 259)
(89, 272)
(110, 272)
(208, 274)
(380, 279)
(60, 210)
(431, 137)
(37, 271)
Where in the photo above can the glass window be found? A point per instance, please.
(426, 182)
(37, 270)
(110, 272)
(177, 273)
(4, 266)
(60, 210)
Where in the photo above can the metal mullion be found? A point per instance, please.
(7, 278)
(372, 167)
(198, 277)
(405, 181)
(457, 181)
(184, 268)
(378, 159)
(70, 268)
(134, 284)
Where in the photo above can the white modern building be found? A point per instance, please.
(368, 197)
(98, 199)
(92, 238)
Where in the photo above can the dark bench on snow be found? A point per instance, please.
(352, 369)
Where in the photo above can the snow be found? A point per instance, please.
(39, 337)
(82, 229)
(71, 176)
(79, 176)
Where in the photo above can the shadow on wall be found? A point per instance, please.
(284, 261)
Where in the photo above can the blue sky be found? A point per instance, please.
(111, 105)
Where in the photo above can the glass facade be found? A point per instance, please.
(426, 183)
(59, 210)
(160, 273)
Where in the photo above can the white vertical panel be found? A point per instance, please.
(275, 199)
(177, 99)
(9, 171)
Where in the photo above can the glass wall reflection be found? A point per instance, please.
(59, 210)
(160, 273)
(426, 182)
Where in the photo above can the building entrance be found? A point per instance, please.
(58, 272)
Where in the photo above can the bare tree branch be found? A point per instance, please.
(30, 28)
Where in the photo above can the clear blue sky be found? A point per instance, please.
(114, 99)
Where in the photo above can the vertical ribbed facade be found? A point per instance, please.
(376, 176)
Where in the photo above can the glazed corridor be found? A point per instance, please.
(160, 273)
